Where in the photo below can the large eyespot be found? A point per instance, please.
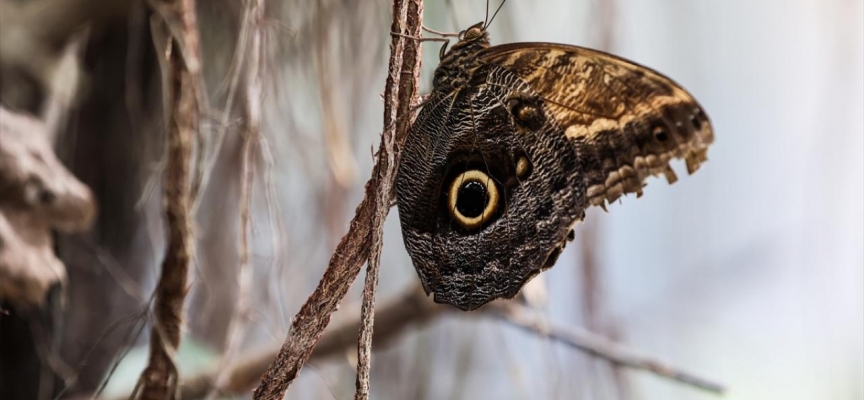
(473, 198)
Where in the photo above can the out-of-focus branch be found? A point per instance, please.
(176, 39)
(364, 234)
(33, 35)
(597, 345)
(249, 47)
(254, 18)
(37, 194)
(393, 318)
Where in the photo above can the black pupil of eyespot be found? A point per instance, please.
(472, 199)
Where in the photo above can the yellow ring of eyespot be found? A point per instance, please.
(491, 191)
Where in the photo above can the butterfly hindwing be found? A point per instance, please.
(474, 130)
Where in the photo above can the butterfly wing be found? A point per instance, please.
(467, 144)
(626, 121)
(514, 143)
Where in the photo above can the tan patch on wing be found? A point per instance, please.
(600, 124)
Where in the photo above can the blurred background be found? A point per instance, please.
(750, 272)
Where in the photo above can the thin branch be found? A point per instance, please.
(594, 344)
(205, 162)
(254, 17)
(179, 73)
(399, 95)
(355, 247)
(343, 164)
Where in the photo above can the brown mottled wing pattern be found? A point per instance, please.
(626, 121)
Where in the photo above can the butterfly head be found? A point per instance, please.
(460, 60)
(476, 32)
(472, 40)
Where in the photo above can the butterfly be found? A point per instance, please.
(514, 143)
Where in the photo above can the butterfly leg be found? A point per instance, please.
(444, 34)
(419, 39)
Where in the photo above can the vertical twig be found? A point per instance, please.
(399, 95)
(254, 17)
(342, 161)
(365, 229)
(179, 73)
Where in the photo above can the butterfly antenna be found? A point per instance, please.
(487, 14)
(486, 25)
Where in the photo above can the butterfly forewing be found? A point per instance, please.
(627, 121)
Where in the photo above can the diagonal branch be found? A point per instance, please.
(364, 233)
(597, 345)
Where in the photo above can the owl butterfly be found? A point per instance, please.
(514, 143)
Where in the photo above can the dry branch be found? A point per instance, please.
(179, 74)
(399, 95)
(364, 233)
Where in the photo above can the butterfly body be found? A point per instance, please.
(514, 143)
